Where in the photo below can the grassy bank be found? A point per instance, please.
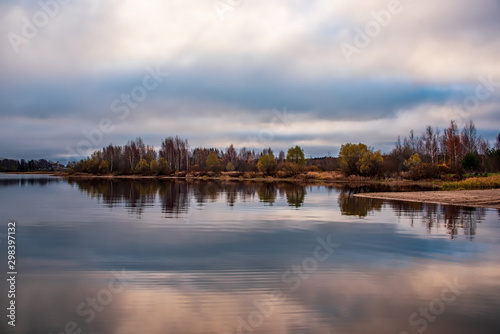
(488, 182)
(308, 178)
(492, 181)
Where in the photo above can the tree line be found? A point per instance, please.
(11, 165)
(431, 154)
(175, 155)
(435, 152)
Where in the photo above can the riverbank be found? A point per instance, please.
(313, 178)
(488, 198)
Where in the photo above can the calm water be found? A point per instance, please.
(208, 257)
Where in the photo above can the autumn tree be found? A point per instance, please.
(142, 166)
(154, 167)
(230, 167)
(349, 156)
(296, 155)
(412, 162)
(231, 154)
(267, 163)
(451, 141)
(370, 163)
(281, 157)
(176, 153)
(213, 162)
(104, 167)
(162, 166)
(468, 138)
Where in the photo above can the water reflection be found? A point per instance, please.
(327, 302)
(23, 181)
(351, 205)
(203, 277)
(174, 197)
(454, 219)
(174, 194)
(435, 216)
(295, 194)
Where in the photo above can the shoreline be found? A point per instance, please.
(434, 184)
(486, 198)
(431, 184)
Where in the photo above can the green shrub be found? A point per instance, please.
(267, 164)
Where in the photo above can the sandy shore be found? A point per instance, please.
(473, 198)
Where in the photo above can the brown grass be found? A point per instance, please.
(489, 182)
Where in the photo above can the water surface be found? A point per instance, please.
(149, 256)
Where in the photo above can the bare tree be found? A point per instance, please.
(468, 138)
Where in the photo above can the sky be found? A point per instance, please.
(78, 75)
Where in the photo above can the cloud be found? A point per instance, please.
(228, 75)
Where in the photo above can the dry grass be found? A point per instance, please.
(323, 176)
(489, 182)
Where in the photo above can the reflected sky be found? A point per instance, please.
(202, 255)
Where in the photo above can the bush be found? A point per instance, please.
(314, 169)
(214, 163)
(470, 162)
(349, 156)
(289, 169)
(370, 164)
(230, 167)
(234, 174)
(142, 166)
(267, 163)
(154, 167)
(104, 167)
(309, 176)
(162, 166)
(412, 162)
(428, 171)
(357, 159)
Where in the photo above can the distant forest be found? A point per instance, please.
(11, 165)
(431, 154)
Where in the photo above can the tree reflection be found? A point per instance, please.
(136, 195)
(40, 181)
(175, 196)
(351, 205)
(434, 216)
(295, 194)
(267, 192)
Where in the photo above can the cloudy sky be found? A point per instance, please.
(77, 75)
